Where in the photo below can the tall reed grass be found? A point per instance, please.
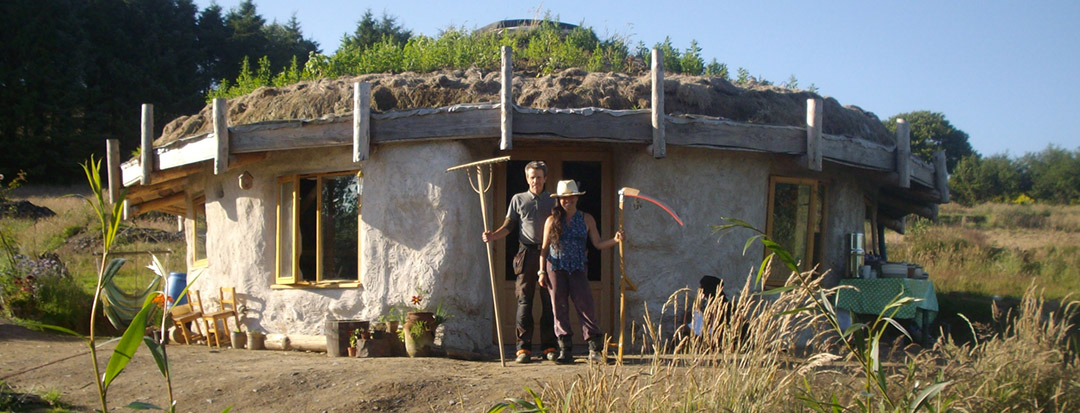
(761, 354)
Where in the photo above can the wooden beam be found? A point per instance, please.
(903, 153)
(158, 189)
(928, 211)
(361, 121)
(112, 161)
(659, 144)
(221, 136)
(595, 126)
(146, 156)
(476, 123)
(814, 116)
(506, 100)
(897, 225)
(941, 176)
(158, 204)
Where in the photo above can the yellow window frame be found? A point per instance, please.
(812, 253)
(293, 280)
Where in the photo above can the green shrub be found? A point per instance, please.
(544, 49)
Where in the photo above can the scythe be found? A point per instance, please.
(625, 283)
(481, 188)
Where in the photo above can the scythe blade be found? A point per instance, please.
(634, 193)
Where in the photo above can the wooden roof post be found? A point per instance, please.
(659, 141)
(941, 176)
(903, 153)
(221, 136)
(814, 118)
(506, 99)
(112, 161)
(146, 154)
(361, 121)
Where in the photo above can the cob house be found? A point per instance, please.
(330, 200)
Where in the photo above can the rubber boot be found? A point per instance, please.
(566, 350)
(596, 350)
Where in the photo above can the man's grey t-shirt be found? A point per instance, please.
(530, 211)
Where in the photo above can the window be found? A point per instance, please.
(199, 238)
(318, 221)
(795, 221)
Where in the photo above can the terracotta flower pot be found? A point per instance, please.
(352, 351)
(419, 345)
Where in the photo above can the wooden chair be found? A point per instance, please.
(228, 308)
(211, 336)
(184, 314)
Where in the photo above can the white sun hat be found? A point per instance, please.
(567, 188)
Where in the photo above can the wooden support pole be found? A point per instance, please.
(814, 118)
(361, 121)
(146, 156)
(112, 161)
(903, 153)
(659, 141)
(221, 136)
(506, 100)
(941, 176)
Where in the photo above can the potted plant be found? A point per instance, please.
(353, 339)
(256, 340)
(419, 329)
(238, 338)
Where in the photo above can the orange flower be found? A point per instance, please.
(160, 300)
(416, 300)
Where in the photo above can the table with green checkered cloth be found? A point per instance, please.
(872, 296)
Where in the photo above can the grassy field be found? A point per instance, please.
(996, 249)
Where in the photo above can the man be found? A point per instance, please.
(529, 210)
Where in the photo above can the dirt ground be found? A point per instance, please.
(209, 380)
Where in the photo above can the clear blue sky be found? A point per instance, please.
(1007, 73)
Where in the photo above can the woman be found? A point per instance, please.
(562, 270)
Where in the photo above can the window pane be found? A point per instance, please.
(308, 228)
(791, 216)
(340, 211)
(285, 230)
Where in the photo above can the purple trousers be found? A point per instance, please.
(564, 288)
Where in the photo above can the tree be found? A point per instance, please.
(286, 41)
(370, 31)
(930, 132)
(691, 61)
(1055, 174)
(996, 178)
(42, 87)
(211, 39)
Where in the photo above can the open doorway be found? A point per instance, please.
(592, 170)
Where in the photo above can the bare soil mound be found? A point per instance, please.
(571, 88)
(24, 209)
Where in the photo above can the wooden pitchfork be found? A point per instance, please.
(625, 283)
(481, 188)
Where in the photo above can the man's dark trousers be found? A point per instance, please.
(524, 288)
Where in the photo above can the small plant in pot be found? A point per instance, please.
(419, 329)
(239, 338)
(353, 339)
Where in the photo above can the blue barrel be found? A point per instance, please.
(177, 282)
